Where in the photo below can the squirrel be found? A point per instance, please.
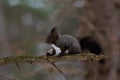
(62, 44)
(66, 44)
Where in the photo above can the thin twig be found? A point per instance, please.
(59, 71)
(95, 71)
(93, 67)
(18, 67)
(54, 65)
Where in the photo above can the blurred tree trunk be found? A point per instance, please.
(100, 19)
(4, 45)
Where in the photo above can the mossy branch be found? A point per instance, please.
(47, 59)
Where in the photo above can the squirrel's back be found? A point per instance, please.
(70, 43)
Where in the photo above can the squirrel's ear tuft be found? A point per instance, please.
(54, 32)
(54, 29)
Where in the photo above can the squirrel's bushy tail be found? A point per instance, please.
(92, 45)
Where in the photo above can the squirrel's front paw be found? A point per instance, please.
(50, 52)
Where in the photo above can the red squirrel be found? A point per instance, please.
(62, 43)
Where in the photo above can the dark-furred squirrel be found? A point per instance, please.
(62, 43)
(66, 44)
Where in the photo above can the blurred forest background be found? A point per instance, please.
(25, 24)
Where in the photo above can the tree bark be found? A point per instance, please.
(4, 45)
(100, 19)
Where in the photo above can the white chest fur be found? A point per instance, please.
(57, 49)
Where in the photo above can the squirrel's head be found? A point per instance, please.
(53, 36)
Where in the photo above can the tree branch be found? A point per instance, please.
(52, 59)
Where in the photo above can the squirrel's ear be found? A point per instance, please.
(54, 32)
